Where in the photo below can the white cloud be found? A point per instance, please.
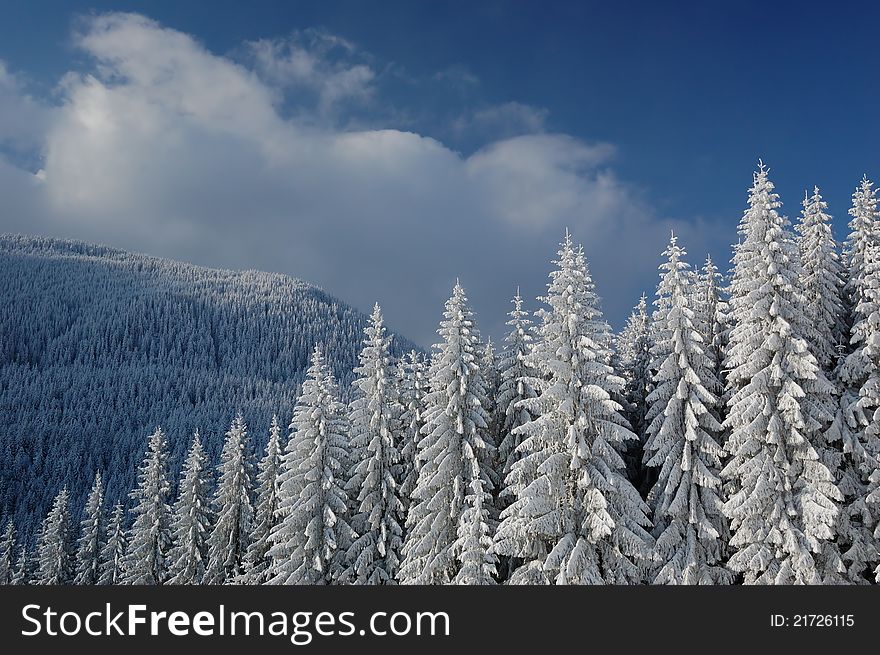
(23, 120)
(540, 180)
(317, 62)
(167, 148)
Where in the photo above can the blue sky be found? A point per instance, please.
(499, 122)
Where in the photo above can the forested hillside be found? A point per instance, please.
(99, 346)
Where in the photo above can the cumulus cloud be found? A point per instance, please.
(164, 147)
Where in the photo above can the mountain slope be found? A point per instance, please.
(98, 346)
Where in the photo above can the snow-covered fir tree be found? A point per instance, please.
(442, 535)
(266, 511)
(232, 505)
(7, 554)
(289, 530)
(377, 513)
(191, 519)
(54, 548)
(576, 518)
(25, 569)
(113, 552)
(864, 232)
(412, 387)
(856, 376)
(710, 314)
(689, 525)
(515, 385)
(633, 364)
(93, 530)
(146, 557)
(473, 546)
(859, 376)
(313, 529)
(821, 281)
(634, 359)
(783, 510)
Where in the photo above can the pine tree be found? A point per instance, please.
(576, 519)
(113, 552)
(864, 232)
(712, 321)
(710, 315)
(822, 323)
(634, 359)
(92, 535)
(54, 548)
(313, 529)
(688, 522)
(473, 545)
(146, 557)
(257, 559)
(633, 363)
(289, 530)
(859, 376)
(514, 387)
(821, 281)
(782, 509)
(451, 480)
(230, 536)
(190, 519)
(413, 387)
(25, 569)
(377, 512)
(7, 551)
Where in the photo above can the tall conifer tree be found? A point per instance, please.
(783, 507)
(689, 525)
(447, 527)
(146, 557)
(576, 518)
(373, 488)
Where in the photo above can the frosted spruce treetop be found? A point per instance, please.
(710, 311)
(191, 518)
(377, 512)
(821, 281)
(92, 534)
(783, 507)
(447, 527)
(576, 518)
(230, 537)
(864, 231)
(682, 441)
(860, 377)
(313, 531)
(54, 548)
(149, 541)
(514, 386)
(265, 509)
